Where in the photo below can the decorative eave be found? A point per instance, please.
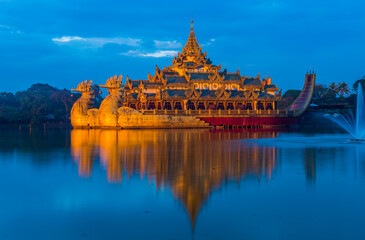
(187, 77)
(142, 96)
(150, 78)
(129, 96)
(128, 83)
(164, 81)
(237, 97)
(141, 86)
(165, 95)
(252, 95)
(222, 93)
(158, 94)
(193, 93)
(216, 77)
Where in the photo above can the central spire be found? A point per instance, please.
(192, 57)
(192, 45)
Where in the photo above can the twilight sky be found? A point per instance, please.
(65, 42)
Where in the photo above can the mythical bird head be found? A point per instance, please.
(84, 87)
(113, 83)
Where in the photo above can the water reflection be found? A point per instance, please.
(310, 165)
(283, 182)
(192, 163)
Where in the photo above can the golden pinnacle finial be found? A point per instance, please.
(192, 25)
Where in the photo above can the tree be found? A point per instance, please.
(333, 88)
(343, 89)
(40, 103)
(65, 98)
(9, 108)
(319, 91)
(356, 84)
(288, 98)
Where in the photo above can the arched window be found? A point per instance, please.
(230, 106)
(144, 105)
(249, 106)
(151, 106)
(220, 106)
(159, 106)
(240, 106)
(260, 106)
(191, 106)
(269, 106)
(201, 106)
(167, 106)
(178, 106)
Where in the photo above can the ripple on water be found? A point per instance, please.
(289, 140)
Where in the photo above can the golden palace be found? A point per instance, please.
(191, 92)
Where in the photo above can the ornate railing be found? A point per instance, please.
(219, 112)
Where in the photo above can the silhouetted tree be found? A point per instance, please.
(288, 98)
(333, 89)
(65, 98)
(40, 103)
(319, 91)
(356, 84)
(343, 89)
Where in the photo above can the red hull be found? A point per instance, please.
(250, 121)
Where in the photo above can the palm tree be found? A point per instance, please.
(360, 81)
(333, 87)
(343, 89)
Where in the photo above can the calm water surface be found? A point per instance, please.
(180, 184)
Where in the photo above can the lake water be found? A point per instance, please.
(180, 184)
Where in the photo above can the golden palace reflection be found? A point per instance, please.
(192, 163)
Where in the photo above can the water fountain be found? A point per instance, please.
(355, 126)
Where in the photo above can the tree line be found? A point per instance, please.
(39, 104)
(334, 93)
(43, 103)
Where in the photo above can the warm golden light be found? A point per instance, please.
(192, 163)
(190, 93)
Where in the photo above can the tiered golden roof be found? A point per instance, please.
(192, 58)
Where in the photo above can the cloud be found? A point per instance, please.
(137, 47)
(160, 53)
(66, 39)
(9, 29)
(212, 40)
(167, 44)
(95, 42)
(4, 26)
(155, 54)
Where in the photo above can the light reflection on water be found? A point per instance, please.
(191, 163)
(139, 184)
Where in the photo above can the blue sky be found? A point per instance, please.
(65, 42)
